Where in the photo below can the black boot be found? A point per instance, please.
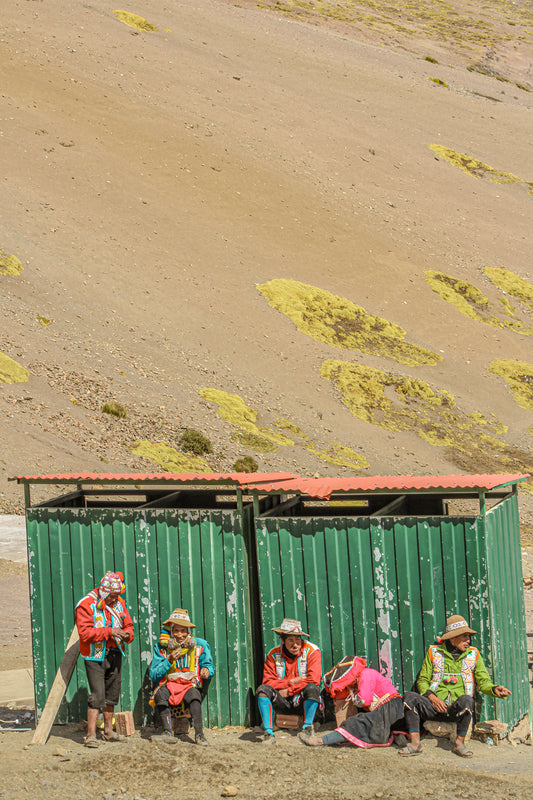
(166, 722)
(196, 714)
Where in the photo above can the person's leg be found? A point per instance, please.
(113, 681)
(95, 671)
(311, 697)
(461, 711)
(92, 719)
(161, 699)
(193, 700)
(417, 710)
(333, 737)
(266, 711)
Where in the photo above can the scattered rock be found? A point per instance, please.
(229, 791)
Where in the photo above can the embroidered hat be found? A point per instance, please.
(111, 583)
(455, 626)
(354, 665)
(180, 616)
(290, 627)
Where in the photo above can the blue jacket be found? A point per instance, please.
(160, 664)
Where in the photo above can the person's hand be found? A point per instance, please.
(126, 636)
(172, 655)
(204, 673)
(438, 704)
(501, 691)
(118, 633)
(297, 679)
(284, 692)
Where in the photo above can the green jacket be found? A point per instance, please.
(450, 679)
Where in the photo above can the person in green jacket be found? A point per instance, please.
(451, 672)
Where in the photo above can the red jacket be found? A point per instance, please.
(279, 668)
(93, 635)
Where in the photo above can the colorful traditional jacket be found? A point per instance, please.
(191, 661)
(94, 626)
(279, 668)
(369, 690)
(449, 679)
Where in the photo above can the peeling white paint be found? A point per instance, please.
(385, 659)
(146, 656)
(231, 605)
(299, 594)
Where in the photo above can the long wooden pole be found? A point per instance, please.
(59, 687)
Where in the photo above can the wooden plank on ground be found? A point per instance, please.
(59, 687)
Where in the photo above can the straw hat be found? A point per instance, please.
(180, 616)
(290, 627)
(455, 626)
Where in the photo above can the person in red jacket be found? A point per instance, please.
(291, 676)
(104, 626)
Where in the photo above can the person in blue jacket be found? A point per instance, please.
(181, 668)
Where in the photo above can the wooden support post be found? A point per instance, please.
(59, 687)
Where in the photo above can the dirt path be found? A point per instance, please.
(142, 770)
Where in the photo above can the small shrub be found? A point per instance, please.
(246, 464)
(115, 409)
(193, 441)
(431, 59)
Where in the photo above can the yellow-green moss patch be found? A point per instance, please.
(399, 403)
(511, 283)
(291, 428)
(252, 441)
(262, 439)
(168, 458)
(477, 168)
(340, 456)
(234, 410)
(134, 21)
(439, 82)
(471, 302)
(11, 371)
(10, 265)
(338, 322)
(518, 375)
(44, 321)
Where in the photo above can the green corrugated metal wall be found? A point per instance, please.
(508, 652)
(376, 586)
(383, 587)
(198, 560)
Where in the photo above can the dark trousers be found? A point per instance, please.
(104, 678)
(309, 692)
(192, 700)
(418, 709)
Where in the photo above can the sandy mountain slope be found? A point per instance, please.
(254, 223)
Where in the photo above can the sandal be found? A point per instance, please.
(113, 737)
(462, 751)
(410, 751)
(91, 741)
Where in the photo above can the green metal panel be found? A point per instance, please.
(507, 654)
(380, 587)
(196, 559)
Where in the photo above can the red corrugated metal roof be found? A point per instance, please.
(239, 478)
(323, 488)
(286, 482)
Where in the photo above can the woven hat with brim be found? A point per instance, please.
(290, 627)
(180, 616)
(455, 626)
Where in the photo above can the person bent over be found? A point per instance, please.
(104, 627)
(182, 668)
(380, 708)
(451, 672)
(291, 676)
